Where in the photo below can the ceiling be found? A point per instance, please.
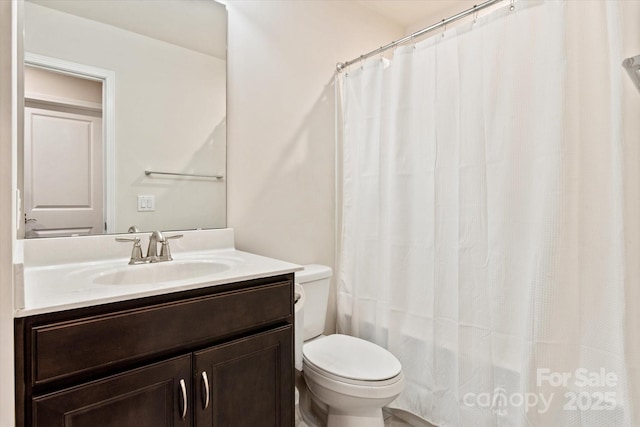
(202, 26)
(191, 27)
(412, 14)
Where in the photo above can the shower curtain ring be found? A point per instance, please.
(513, 5)
(475, 14)
(444, 27)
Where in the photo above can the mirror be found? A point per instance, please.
(125, 116)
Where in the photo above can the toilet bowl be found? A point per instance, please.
(352, 378)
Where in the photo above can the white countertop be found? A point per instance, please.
(56, 288)
(69, 285)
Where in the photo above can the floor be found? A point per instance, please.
(392, 421)
(389, 421)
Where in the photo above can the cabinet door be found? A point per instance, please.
(249, 382)
(153, 396)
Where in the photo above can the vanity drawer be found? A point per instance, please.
(65, 349)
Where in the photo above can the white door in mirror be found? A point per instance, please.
(63, 173)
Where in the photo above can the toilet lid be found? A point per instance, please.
(351, 357)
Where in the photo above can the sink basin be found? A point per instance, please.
(161, 272)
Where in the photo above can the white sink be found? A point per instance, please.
(162, 272)
(69, 273)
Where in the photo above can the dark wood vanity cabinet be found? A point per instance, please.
(218, 357)
(246, 382)
(145, 397)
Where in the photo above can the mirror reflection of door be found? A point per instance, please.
(63, 151)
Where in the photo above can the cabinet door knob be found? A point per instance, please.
(183, 389)
(205, 386)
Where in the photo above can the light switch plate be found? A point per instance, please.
(146, 203)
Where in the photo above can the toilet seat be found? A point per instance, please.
(351, 360)
(354, 388)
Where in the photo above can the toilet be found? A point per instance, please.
(350, 377)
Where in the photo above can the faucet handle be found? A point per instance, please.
(135, 240)
(136, 253)
(165, 250)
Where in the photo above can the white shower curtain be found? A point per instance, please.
(490, 219)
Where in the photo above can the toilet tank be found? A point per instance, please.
(315, 279)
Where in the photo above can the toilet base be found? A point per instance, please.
(351, 405)
(317, 414)
(355, 418)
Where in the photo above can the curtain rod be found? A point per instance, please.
(342, 65)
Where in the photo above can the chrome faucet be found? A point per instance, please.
(152, 250)
(136, 253)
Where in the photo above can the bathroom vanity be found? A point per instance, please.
(186, 353)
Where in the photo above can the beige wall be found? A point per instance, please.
(7, 229)
(282, 57)
(38, 81)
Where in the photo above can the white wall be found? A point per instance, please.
(282, 57)
(164, 119)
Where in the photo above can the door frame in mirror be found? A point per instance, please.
(108, 79)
